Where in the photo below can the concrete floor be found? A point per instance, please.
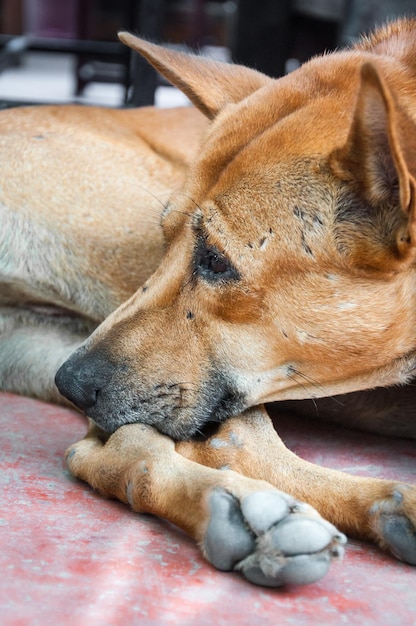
(70, 558)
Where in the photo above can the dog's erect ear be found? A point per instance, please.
(209, 84)
(379, 157)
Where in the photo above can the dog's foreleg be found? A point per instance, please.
(383, 511)
(240, 523)
(32, 349)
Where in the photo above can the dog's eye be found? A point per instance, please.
(212, 265)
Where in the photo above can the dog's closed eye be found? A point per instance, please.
(213, 265)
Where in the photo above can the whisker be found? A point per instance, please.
(185, 195)
(180, 212)
(171, 193)
(316, 384)
(162, 204)
(188, 281)
(156, 214)
(165, 205)
(307, 391)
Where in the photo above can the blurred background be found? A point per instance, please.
(67, 50)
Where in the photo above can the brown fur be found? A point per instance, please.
(288, 273)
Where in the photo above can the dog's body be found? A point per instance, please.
(288, 273)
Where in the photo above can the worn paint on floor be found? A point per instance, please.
(68, 557)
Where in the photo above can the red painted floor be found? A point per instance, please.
(69, 558)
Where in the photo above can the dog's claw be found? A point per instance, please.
(270, 538)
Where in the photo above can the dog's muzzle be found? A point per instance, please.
(113, 394)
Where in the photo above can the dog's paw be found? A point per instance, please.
(270, 538)
(393, 521)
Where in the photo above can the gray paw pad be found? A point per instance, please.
(299, 570)
(227, 540)
(270, 538)
(263, 509)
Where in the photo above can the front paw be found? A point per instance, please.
(82, 461)
(104, 461)
(269, 537)
(393, 521)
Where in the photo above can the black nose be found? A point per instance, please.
(81, 378)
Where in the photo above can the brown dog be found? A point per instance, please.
(288, 273)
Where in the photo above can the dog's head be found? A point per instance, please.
(288, 270)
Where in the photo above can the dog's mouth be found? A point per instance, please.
(180, 410)
(173, 409)
(224, 400)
